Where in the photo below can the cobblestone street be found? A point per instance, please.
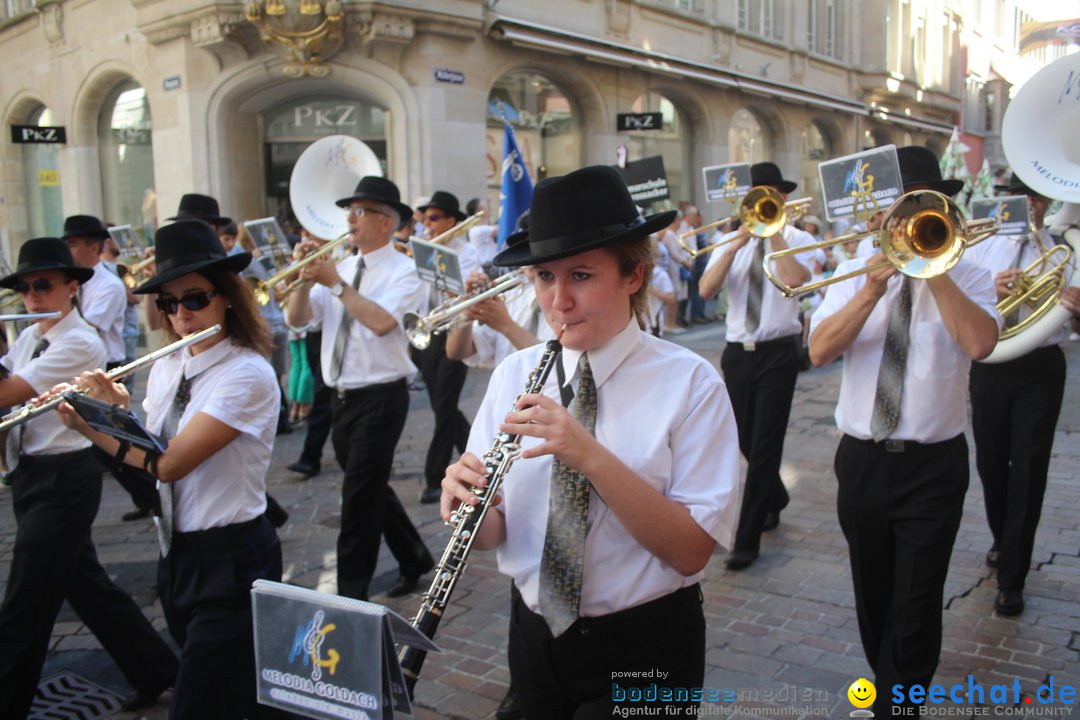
(785, 626)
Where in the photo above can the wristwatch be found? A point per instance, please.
(336, 290)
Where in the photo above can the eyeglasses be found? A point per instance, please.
(434, 217)
(360, 211)
(40, 286)
(192, 301)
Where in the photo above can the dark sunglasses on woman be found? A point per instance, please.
(192, 301)
(40, 286)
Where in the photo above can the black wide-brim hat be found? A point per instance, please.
(45, 253)
(584, 210)
(1016, 186)
(767, 173)
(194, 206)
(447, 202)
(380, 190)
(84, 226)
(919, 166)
(188, 246)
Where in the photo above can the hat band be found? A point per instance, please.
(178, 261)
(559, 244)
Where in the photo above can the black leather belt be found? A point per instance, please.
(356, 393)
(755, 345)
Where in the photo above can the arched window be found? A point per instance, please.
(126, 154)
(293, 125)
(546, 125)
(875, 137)
(747, 140)
(815, 150)
(671, 141)
(41, 175)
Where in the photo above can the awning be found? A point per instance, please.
(566, 42)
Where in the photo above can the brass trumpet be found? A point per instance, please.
(134, 275)
(762, 210)
(262, 288)
(923, 234)
(449, 315)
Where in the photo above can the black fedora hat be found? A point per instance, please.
(45, 253)
(194, 206)
(188, 246)
(767, 173)
(919, 166)
(1016, 186)
(86, 226)
(380, 190)
(584, 210)
(447, 202)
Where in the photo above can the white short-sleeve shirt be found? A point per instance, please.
(103, 302)
(492, 347)
(664, 411)
(237, 387)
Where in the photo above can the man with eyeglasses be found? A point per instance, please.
(360, 303)
(444, 377)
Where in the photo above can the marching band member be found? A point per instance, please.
(443, 377)
(360, 303)
(760, 361)
(604, 531)
(902, 464)
(216, 404)
(56, 487)
(1015, 407)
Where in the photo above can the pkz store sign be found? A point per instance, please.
(639, 121)
(37, 135)
(325, 115)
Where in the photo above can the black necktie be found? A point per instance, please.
(169, 429)
(14, 443)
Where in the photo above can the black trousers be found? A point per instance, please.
(900, 512)
(761, 384)
(1015, 408)
(444, 379)
(367, 425)
(588, 671)
(205, 587)
(56, 499)
(319, 417)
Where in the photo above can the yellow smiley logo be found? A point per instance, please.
(862, 693)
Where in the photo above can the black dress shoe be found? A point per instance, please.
(993, 557)
(740, 559)
(140, 700)
(430, 495)
(403, 586)
(1009, 602)
(304, 468)
(136, 514)
(509, 708)
(772, 520)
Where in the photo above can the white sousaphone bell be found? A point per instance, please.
(1039, 138)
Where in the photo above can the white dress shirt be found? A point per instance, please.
(492, 347)
(237, 387)
(391, 282)
(662, 282)
(484, 239)
(664, 412)
(1001, 252)
(933, 405)
(74, 347)
(103, 301)
(779, 315)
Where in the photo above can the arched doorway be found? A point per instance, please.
(748, 141)
(126, 156)
(671, 141)
(41, 179)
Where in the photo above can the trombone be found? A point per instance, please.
(762, 210)
(923, 234)
(449, 315)
(134, 273)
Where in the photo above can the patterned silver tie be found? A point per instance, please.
(342, 337)
(14, 442)
(890, 382)
(756, 288)
(165, 521)
(563, 560)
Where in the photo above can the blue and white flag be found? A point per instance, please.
(515, 193)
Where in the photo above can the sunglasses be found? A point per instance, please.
(360, 211)
(40, 286)
(192, 301)
(434, 217)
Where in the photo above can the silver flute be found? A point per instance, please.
(465, 521)
(47, 401)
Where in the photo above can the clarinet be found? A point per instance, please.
(465, 520)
